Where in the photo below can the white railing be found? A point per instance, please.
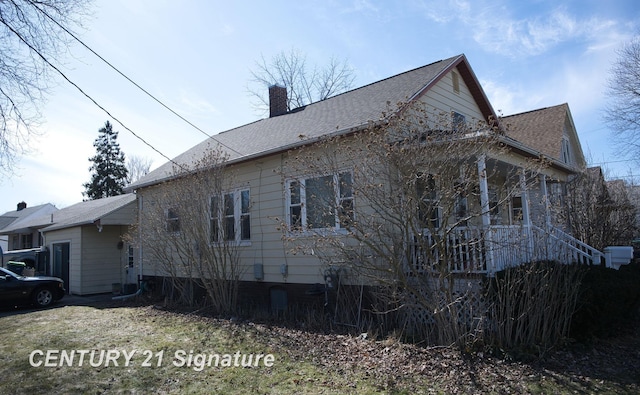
(563, 247)
(460, 249)
(477, 250)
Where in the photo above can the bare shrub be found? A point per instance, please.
(185, 236)
(399, 205)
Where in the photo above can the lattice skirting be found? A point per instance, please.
(464, 306)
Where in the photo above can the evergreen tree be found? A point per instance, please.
(109, 173)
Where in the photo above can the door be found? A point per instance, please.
(61, 263)
(132, 273)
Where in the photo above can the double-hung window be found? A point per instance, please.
(428, 204)
(458, 122)
(173, 220)
(323, 202)
(230, 217)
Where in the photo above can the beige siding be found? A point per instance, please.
(442, 98)
(102, 259)
(267, 213)
(124, 215)
(264, 179)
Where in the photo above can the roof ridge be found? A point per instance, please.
(384, 79)
(535, 110)
(297, 109)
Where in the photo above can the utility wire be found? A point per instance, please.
(84, 93)
(614, 161)
(129, 79)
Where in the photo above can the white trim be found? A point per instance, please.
(337, 201)
(237, 217)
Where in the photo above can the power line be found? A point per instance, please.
(130, 80)
(84, 93)
(614, 161)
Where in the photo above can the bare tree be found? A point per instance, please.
(398, 208)
(600, 213)
(624, 91)
(304, 85)
(29, 31)
(189, 238)
(137, 167)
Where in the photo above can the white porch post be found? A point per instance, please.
(545, 198)
(547, 215)
(485, 213)
(526, 218)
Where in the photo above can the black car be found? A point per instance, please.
(18, 290)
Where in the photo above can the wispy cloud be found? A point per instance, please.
(192, 105)
(495, 27)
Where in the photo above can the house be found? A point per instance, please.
(86, 244)
(268, 204)
(20, 231)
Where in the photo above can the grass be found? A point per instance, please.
(304, 363)
(133, 328)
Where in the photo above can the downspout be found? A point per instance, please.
(139, 242)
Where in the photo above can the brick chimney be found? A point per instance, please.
(277, 100)
(22, 206)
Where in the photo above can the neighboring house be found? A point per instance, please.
(256, 153)
(85, 241)
(20, 230)
(623, 212)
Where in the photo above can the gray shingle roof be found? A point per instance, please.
(78, 214)
(88, 212)
(13, 221)
(339, 113)
(539, 129)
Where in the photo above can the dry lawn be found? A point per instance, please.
(304, 362)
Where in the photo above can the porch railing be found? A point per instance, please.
(477, 250)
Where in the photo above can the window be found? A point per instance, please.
(458, 122)
(494, 205)
(461, 202)
(173, 220)
(516, 209)
(230, 217)
(428, 209)
(455, 80)
(130, 257)
(27, 240)
(324, 202)
(566, 151)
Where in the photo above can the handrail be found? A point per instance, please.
(470, 250)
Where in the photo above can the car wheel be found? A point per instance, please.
(43, 297)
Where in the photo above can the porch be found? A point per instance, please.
(490, 250)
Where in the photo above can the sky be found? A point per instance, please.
(196, 56)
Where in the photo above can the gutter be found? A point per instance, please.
(523, 148)
(272, 151)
